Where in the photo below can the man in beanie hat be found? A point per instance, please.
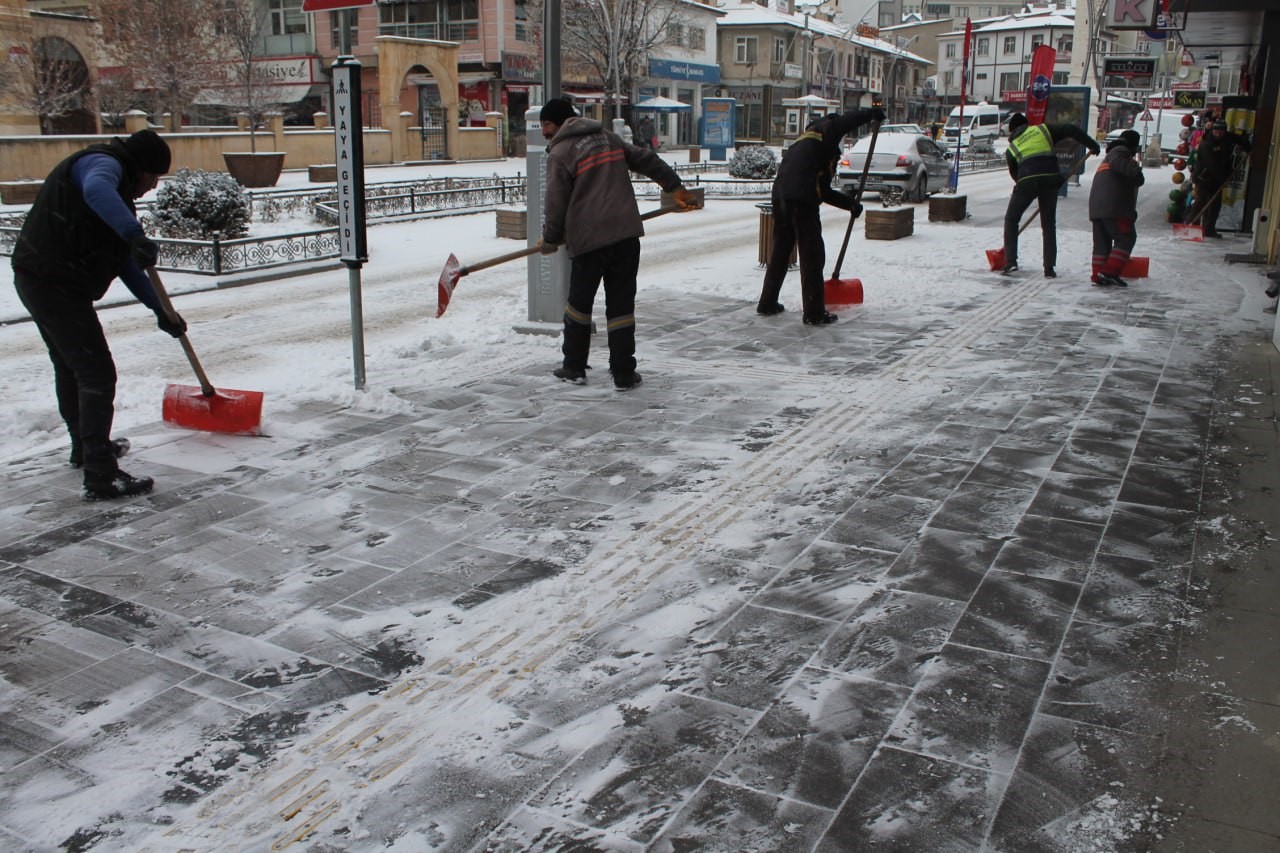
(81, 233)
(1113, 209)
(1033, 165)
(591, 208)
(802, 184)
(1211, 169)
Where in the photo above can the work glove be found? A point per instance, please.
(855, 208)
(548, 248)
(684, 199)
(877, 114)
(144, 250)
(1095, 150)
(175, 326)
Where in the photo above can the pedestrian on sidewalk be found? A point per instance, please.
(81, 233)
(1033, 165)
(1113, 209)
(1211, 171)
(802, 184)
(591, 208)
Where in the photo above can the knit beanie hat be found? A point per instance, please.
(149, 151)
(1016, 121)
(557, 111)
(1131, 139)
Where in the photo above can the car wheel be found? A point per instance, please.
(921, 191)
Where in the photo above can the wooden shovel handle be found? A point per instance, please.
(862, 184)
(530, 250)
(206, 387)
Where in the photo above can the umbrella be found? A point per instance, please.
(662, 105)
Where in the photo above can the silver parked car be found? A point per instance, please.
(913, 166)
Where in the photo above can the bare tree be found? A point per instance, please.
(244, 26)
(170, 45)
(117, 94)
(50, 80)
(611, 40)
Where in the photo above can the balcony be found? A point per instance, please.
(462, 31)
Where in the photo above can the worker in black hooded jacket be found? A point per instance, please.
(80, 234)
(1214, 161)
(802, 184)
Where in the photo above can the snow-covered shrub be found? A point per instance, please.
(753, 161)
(194, 204)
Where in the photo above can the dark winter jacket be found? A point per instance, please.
(1114, 194)
(1030, 153)
(1214, 156)
(64, 240)
(809, 164)
(589, 200)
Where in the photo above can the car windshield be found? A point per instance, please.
(897, 143)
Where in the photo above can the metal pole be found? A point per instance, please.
(552, 20)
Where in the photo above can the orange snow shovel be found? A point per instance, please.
(205, 408)
(453, 270)
(848, 291)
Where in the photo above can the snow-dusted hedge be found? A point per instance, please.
(754, 161)
(195, 204)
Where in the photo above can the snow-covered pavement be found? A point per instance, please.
(920, 580)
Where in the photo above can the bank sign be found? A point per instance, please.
(670, 69)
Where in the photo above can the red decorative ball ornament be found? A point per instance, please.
(1183, 149)
(1188, 120)
(1179, 164)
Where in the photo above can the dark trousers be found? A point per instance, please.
(796, 225)
(1113, 241)
(617, 266)
(84, 374)
(1209, 200)
(1044, 190)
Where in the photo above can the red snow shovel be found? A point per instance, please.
(205, 408)
(848, 291)
(453, 270)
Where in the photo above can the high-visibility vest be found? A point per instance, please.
(1033, 152)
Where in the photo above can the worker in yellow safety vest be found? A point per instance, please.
(1033, 165)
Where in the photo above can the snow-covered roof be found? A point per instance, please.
(753, 15)
(1033, 21)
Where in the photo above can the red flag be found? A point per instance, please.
(953, 179)
(1042, 59)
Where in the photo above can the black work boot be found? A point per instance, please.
(823, 319)
(571, 374)
(626, 381)
(105, 487)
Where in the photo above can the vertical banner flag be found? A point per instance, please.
(954, 179)
(1042, 59)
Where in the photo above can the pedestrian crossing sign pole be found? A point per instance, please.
(348, 140)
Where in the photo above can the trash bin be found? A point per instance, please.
(695, 153)
(766, 239)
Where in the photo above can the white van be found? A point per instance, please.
(981, 123)
(1167, 123)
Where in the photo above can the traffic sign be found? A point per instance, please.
(334, 5)
(1146, 116)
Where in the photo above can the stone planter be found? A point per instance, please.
(261, 169)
